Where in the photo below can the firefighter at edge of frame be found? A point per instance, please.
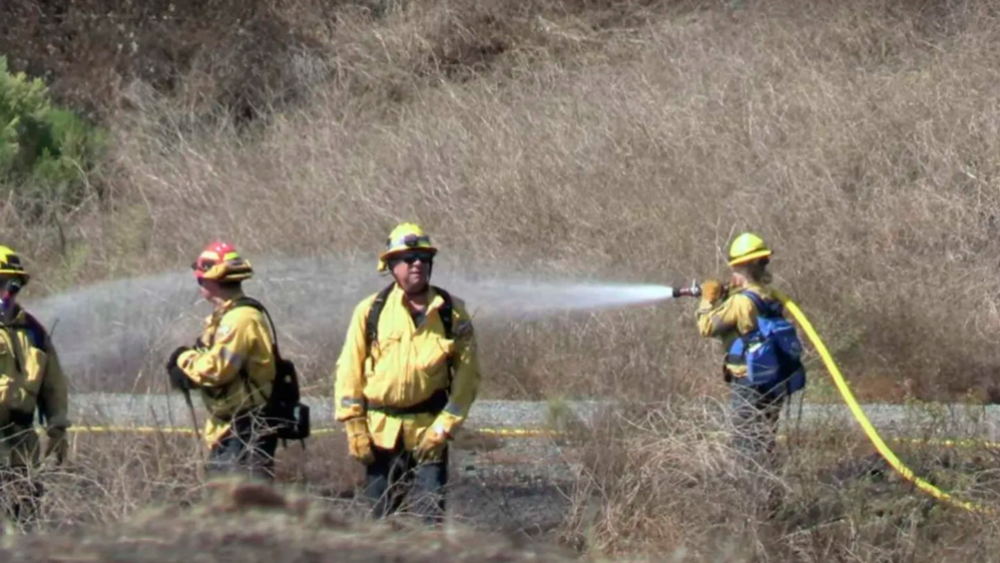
(31, 378)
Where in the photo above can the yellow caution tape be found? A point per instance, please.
(513, 432)
(951, 443)
(315, 431)
(859, 414)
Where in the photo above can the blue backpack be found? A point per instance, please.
(772, 352)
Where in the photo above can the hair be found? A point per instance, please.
(755, 271)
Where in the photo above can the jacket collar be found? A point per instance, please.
(434, 303)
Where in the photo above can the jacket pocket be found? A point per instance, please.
(386, 356)
(433, 352)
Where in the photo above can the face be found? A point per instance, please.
(9, 286)
(753, 271)
(208, 289)
(412, 270)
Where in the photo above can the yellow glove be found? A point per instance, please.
(431, 445)
(359, 442)
(57, 444)
(712, 290)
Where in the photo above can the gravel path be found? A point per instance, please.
(171, 410)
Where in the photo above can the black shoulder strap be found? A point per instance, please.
(245, 301)
(251, 302)
(36, 332)
(446, 312)
(371, 321)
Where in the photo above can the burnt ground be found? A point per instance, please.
(518, 486)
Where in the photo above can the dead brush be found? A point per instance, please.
(609, 142)
(855, 138)
(660, 477)
(662, 480)
(110, 476)
(239, 521)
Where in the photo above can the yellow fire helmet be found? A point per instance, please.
(746, 248)
(221, 262)
(10, 264)
(405, 237)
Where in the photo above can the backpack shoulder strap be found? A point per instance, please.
(251, 302)
(246, 301)
(770, 310)
(37, 334)
(371, 321)
(446, 312)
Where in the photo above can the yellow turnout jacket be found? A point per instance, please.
(408, 364)
(31, 375)
(235, 339)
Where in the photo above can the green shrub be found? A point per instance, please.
(48, 154)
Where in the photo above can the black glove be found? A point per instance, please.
(178, 379)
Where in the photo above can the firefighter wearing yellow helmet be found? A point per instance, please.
(406, 378)
(233, 365)
(31, 378)
(733, 313)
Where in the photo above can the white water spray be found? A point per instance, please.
(109, 332)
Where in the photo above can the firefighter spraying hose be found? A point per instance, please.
(763, 355)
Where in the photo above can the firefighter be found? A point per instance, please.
(31, 378)
(733, 313)
(232, 364)
(405, 380)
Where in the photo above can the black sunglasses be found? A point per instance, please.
(411, 257)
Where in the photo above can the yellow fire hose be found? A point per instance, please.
(859, 414)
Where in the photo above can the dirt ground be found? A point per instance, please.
(515, 485)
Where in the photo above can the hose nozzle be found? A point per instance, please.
(693, 290)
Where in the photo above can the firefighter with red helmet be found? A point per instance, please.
(233, 366)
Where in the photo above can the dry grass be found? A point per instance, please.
(664, 481)
(111, 476)
(858, 139)
(655, 481)
(241, 522)
(626, 141)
